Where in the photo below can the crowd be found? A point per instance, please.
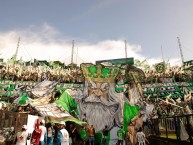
(173, 74)
(59, 134)
(80, 135)
(70, 134)
(137, 130)
(37, 73)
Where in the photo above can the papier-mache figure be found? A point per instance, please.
(102, 105)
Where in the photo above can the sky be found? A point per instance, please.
(99, 28)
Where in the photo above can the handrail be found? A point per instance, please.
(176, 116)
(173, 123)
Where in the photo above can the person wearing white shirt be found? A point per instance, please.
(22, 136)
(140, 136)
(43, 138)
(63, 135)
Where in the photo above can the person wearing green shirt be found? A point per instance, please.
(82, 136)
(121, 136)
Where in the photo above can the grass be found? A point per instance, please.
(172, 136)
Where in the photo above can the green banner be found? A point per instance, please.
(128, 113)
(188, 65)
(163, 90)
(122, 61)
(160, 67)
(68, 103)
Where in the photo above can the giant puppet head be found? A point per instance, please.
(100, 104)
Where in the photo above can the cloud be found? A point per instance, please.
(46, 43)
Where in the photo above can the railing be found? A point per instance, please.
(169, 122)
(177, 129)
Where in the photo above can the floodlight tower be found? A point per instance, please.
(181, 53)
(72, 55)
(16, 52)
(125, 49)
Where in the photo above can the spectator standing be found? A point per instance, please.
(121, 136)
(91, 135)
(140, 136)
(73, 134)
(105, 135)
(22, 136)
(63, 135)
(82, 135)
(50, 134)
(57, 130)
(36, 134)
(43, 138)
(131, 134)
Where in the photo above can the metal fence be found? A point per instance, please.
(176, 128)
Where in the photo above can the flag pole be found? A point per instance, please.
(162, 53)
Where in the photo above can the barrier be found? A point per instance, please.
(10, 123)
(173, 128)
(169, 122)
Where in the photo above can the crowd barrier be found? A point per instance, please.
(10, 124)
(12, 119)
(173, 128)
(169, 122)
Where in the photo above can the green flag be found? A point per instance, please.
(160, 67)
(128, 113)
(68, 103)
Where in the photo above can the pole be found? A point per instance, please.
(16, 52)
(181, 53)
(72, 55)
(125, 49)
(76, 55)
(162, 54)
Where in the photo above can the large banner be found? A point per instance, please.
(163, 90)
(188, 65)
(122, 61)
(59, 86)
(177, 89)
